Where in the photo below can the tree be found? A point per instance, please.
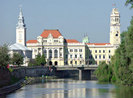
(129, 2)
(4, 56)
(40, 60)
(5, 75)
(104, 72)
(17, 59)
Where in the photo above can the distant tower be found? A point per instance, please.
(21, 30)
(115, 27)
(85, 39)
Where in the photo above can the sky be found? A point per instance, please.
(73, 18)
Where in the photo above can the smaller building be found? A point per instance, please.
(22, 50)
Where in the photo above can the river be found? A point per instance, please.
(68, 88)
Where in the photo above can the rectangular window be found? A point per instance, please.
(70, 56)
(95, 56)
(55, 40)
(109, 51)
(80, 50)
(99, 51)
(103, 56)
(75, 50)
(80, 55)
(103, 51)
(71, 62)
(60, 54)
(76, 62)
(71, 50)
(99, 56)
(109, 56)
(44, 40)
(75, 56)
(95, 51)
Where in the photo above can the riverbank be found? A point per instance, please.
(8, 89)
(11, 88)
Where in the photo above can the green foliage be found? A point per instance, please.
(104, 72)
(39, 60)
(10, 69)
(32, 63)
(17, 59)
(26, 78)
(4, 56)
(129, 2)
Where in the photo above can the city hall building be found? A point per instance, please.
(69, 52)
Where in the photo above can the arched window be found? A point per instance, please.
(75, 62)
(45, 53)
(116, 34)
(56, 63)
(50, 53)
(55, 53)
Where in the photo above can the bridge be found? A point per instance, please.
(83, 71)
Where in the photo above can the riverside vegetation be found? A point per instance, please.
(5, 73)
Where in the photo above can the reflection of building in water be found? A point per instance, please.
(77, 89)
(54, 90)
(66, 89)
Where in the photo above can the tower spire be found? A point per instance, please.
(21, 23)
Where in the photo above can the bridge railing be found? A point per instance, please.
(86, 66)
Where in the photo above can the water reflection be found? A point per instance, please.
(68, 89)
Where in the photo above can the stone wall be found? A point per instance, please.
(30, 72)
(5, 76)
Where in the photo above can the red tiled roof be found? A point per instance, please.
(55, 33)
(31, 41)
(98, 43)
(71, 41)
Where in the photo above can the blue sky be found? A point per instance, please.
(73, 18)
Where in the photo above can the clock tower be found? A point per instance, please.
(115, 27)
(21, 30)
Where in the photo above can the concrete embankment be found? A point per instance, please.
(8, 89)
